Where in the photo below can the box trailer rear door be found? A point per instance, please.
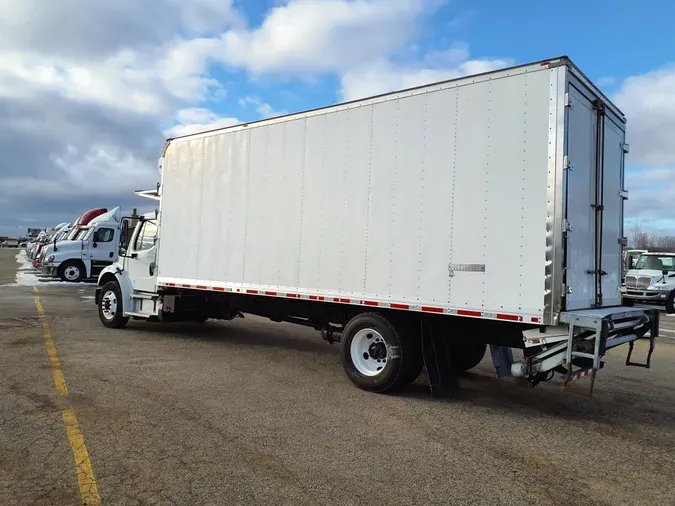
(594, 202)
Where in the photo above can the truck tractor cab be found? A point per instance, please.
(652, 281)
(630, 259)
(45, 240)
(66, 238)
(93, 248)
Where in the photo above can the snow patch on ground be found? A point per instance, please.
(27, 275)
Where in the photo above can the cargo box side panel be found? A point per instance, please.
(180, 223)
(376, 201)
(204, 201)
(273, 215)
(500, 194)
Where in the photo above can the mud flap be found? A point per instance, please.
(436, 351)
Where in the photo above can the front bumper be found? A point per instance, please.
(49, 270)
(649, 295)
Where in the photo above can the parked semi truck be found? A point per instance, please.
(69, 238)
(415, 228)
(88, 254)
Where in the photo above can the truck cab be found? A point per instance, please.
(652, 281)
(93, 248)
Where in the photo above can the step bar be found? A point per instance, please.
(590, 333)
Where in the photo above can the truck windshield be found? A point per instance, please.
(656, 262)
(87, 234)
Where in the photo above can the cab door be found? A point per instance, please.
(101, 248)
(140, 261)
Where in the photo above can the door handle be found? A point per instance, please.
(151, 268)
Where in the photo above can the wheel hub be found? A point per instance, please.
(377, 351)
(109, 305)
(72, 273)
(368, 352)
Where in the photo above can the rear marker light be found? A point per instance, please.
(509, 317)
(399, 306)
(428, 309)
(464, 312)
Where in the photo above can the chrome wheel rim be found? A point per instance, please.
(109, 305)
(71, 273)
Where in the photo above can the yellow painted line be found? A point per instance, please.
(85, 474)
(35, 289)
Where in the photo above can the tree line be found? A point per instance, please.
(639, 239)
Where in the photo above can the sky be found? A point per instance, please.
(89, 89)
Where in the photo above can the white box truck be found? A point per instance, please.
(415, 227)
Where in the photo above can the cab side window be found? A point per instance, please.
(104, 235)
(146, 237)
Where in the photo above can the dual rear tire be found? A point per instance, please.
(381, 355)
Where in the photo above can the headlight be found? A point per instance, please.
(51, 258)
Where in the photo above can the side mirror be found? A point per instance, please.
(122, 251)
(664, 272)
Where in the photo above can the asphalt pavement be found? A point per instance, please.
(254, 412)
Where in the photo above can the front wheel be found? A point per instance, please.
(378, 356)
(110, 309)
(71, 271)
(670, 303)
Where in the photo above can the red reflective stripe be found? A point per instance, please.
(202, 287)
(313, 297)
(185, 286)
(270, 293)
(370, 303)
(399, 306)
(218, 289)
(534, 320)
(292, 296)
(429, 309)
(252, 291)
(465, 312)
(171, 284)
(346, 301)
(509, 317)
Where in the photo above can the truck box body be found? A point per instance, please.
(451, 198)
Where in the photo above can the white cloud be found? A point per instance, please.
(264, 109)
(310, 36)
(648, 100)
(197, 119)
(383, 76)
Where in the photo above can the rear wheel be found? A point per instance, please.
(467, 355)
(110, 309)
(71, 271)
(379, 356)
